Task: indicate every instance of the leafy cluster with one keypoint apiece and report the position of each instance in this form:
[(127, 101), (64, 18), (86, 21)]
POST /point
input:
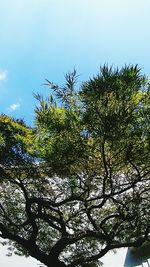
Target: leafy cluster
[(81, 177)]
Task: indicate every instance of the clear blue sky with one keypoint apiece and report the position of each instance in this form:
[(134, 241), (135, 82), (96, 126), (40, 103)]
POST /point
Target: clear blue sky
[(46, 38)]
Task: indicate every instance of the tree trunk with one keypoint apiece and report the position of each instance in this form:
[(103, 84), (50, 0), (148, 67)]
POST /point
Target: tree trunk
[(56, 264)]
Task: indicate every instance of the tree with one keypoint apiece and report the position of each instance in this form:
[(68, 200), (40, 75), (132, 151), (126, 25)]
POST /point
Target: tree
[(77, 184)]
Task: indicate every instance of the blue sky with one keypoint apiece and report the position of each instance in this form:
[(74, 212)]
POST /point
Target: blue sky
[(46, 38)]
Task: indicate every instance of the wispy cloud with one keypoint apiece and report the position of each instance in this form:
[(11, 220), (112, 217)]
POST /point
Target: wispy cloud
[(3, 75), (14, 106)]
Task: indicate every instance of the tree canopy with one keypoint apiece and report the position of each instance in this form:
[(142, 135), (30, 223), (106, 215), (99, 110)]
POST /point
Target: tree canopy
[(77, 184)]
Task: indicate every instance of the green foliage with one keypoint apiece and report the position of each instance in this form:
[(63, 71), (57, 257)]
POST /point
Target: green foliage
[(59, 140), (15, 141), (81, 177)]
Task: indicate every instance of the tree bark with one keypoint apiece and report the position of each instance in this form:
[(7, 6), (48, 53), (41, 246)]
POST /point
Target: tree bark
[(57, 264)]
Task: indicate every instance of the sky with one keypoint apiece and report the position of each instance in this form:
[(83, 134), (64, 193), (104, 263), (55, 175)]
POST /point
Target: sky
[(42, 39)]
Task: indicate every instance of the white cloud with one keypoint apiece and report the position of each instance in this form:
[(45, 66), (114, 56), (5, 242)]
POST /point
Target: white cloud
[(3, 75), (14, 106)]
